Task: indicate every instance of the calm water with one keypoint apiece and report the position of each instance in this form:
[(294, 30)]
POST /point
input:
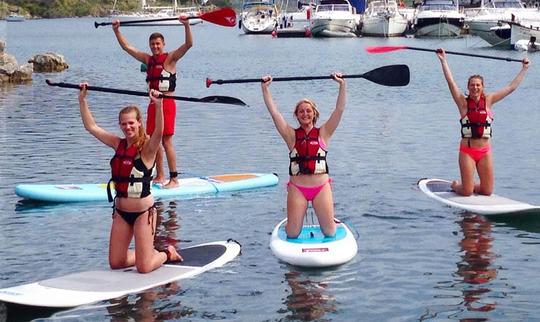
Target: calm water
[(418, 260)]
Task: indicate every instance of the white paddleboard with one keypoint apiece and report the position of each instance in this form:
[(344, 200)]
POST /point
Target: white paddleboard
[(440, 190), (92, 286), (312, 248), (188, 188)]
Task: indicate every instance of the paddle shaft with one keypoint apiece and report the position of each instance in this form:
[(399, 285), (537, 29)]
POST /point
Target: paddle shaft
[(464, 54), (207, 99), (278, 79), (121, 91), (127, 22)]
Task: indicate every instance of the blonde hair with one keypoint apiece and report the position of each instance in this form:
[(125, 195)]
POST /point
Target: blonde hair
[(141, 135), (313, 106)]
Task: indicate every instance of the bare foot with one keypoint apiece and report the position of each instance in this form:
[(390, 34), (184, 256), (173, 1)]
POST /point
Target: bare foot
[(174, 256), (173, 183), (454, 185), (158, 180)]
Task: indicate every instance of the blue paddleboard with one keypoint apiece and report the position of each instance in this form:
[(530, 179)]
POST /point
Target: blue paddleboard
[(189, 188)]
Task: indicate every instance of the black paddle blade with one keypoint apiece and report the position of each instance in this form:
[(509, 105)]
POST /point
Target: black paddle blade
[(223, 100), (391, 75)]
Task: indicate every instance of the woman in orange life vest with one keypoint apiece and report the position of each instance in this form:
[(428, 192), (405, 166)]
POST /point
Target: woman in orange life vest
[(476, 118), (134, 214), (309, 180), (161, 75)]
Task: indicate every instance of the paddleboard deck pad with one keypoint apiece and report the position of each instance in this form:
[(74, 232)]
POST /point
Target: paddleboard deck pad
[(188, 188), (99, 285), (441, 190), (312, 248)]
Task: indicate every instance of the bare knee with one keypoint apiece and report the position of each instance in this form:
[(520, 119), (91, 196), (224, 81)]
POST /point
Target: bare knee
[(116, 264), (144, 268), (292, 233)]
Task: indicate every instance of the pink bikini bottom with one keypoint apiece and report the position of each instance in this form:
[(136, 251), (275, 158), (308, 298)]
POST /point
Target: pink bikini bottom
[(309, 192), (476, 153)]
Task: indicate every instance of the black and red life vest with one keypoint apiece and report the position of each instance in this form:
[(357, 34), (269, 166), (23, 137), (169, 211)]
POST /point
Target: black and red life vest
[(157, 77), (130, 176), (307, 156), (476, 123)]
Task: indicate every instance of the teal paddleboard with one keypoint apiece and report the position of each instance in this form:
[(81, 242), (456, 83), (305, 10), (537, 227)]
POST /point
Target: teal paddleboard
[(189, 188)]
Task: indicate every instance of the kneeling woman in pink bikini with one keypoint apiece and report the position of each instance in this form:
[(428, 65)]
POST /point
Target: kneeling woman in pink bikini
[(309, 180), (476, 118)]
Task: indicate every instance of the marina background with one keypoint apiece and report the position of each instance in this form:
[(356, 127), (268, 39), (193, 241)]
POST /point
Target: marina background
[(418, 260)]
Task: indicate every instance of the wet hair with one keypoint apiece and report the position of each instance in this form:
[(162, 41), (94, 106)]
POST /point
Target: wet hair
[(156, 35), (141, 135), (476, 76), (313, 106)]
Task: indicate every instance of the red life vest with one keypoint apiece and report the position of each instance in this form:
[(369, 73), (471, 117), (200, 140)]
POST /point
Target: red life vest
[(307, 156), (156, 75), (130, 176), (477, 122)]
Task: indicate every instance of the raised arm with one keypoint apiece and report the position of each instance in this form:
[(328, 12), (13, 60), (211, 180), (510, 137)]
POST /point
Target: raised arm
[(505, 91), (285, 130), (457, 95), (178, 53), (328, 128), (148, 153), (89, 123), (134, 52)]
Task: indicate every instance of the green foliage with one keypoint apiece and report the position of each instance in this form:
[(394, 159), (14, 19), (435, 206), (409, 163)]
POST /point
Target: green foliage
[(78, 8)]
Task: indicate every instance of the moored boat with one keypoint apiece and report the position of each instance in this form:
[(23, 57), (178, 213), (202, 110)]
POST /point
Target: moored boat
[(480, 21), (259, 16), (438, 18), (335, 18), (382, 19)]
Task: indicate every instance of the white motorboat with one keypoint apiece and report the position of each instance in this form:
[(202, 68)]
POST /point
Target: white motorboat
[(530, 45), (438, 18), (15, 17), (335, 18), (481, 21), (259, 16), (382, 19), (523, 31)]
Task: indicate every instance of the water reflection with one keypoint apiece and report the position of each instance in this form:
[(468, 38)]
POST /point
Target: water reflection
[(309, 300), (148, 306), (477, 265)]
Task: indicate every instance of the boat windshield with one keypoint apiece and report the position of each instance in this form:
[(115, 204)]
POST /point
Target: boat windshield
[(439, 5), (503, 4), (333, 7)]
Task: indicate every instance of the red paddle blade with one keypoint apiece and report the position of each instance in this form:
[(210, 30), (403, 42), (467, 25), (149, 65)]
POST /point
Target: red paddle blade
[(223, 17), (383, 49)]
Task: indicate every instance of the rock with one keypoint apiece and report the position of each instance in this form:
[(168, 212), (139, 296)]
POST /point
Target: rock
[(11, 72), (48, 62)]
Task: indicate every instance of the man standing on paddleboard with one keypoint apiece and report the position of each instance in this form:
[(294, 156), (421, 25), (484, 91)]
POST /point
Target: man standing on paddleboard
[(161, 76)]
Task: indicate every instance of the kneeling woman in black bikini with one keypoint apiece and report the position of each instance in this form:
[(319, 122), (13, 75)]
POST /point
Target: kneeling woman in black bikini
[(132, 167)]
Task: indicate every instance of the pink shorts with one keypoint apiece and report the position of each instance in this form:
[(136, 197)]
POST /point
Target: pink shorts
[(169, 117), (309, 192), (475, 153)]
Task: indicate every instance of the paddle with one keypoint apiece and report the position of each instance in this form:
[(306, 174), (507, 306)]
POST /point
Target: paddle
[(391, 75), (385, 49), (207, 99), (223, 17)]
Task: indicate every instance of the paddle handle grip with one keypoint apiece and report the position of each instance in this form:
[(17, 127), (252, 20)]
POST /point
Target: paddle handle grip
[(466, 54)]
